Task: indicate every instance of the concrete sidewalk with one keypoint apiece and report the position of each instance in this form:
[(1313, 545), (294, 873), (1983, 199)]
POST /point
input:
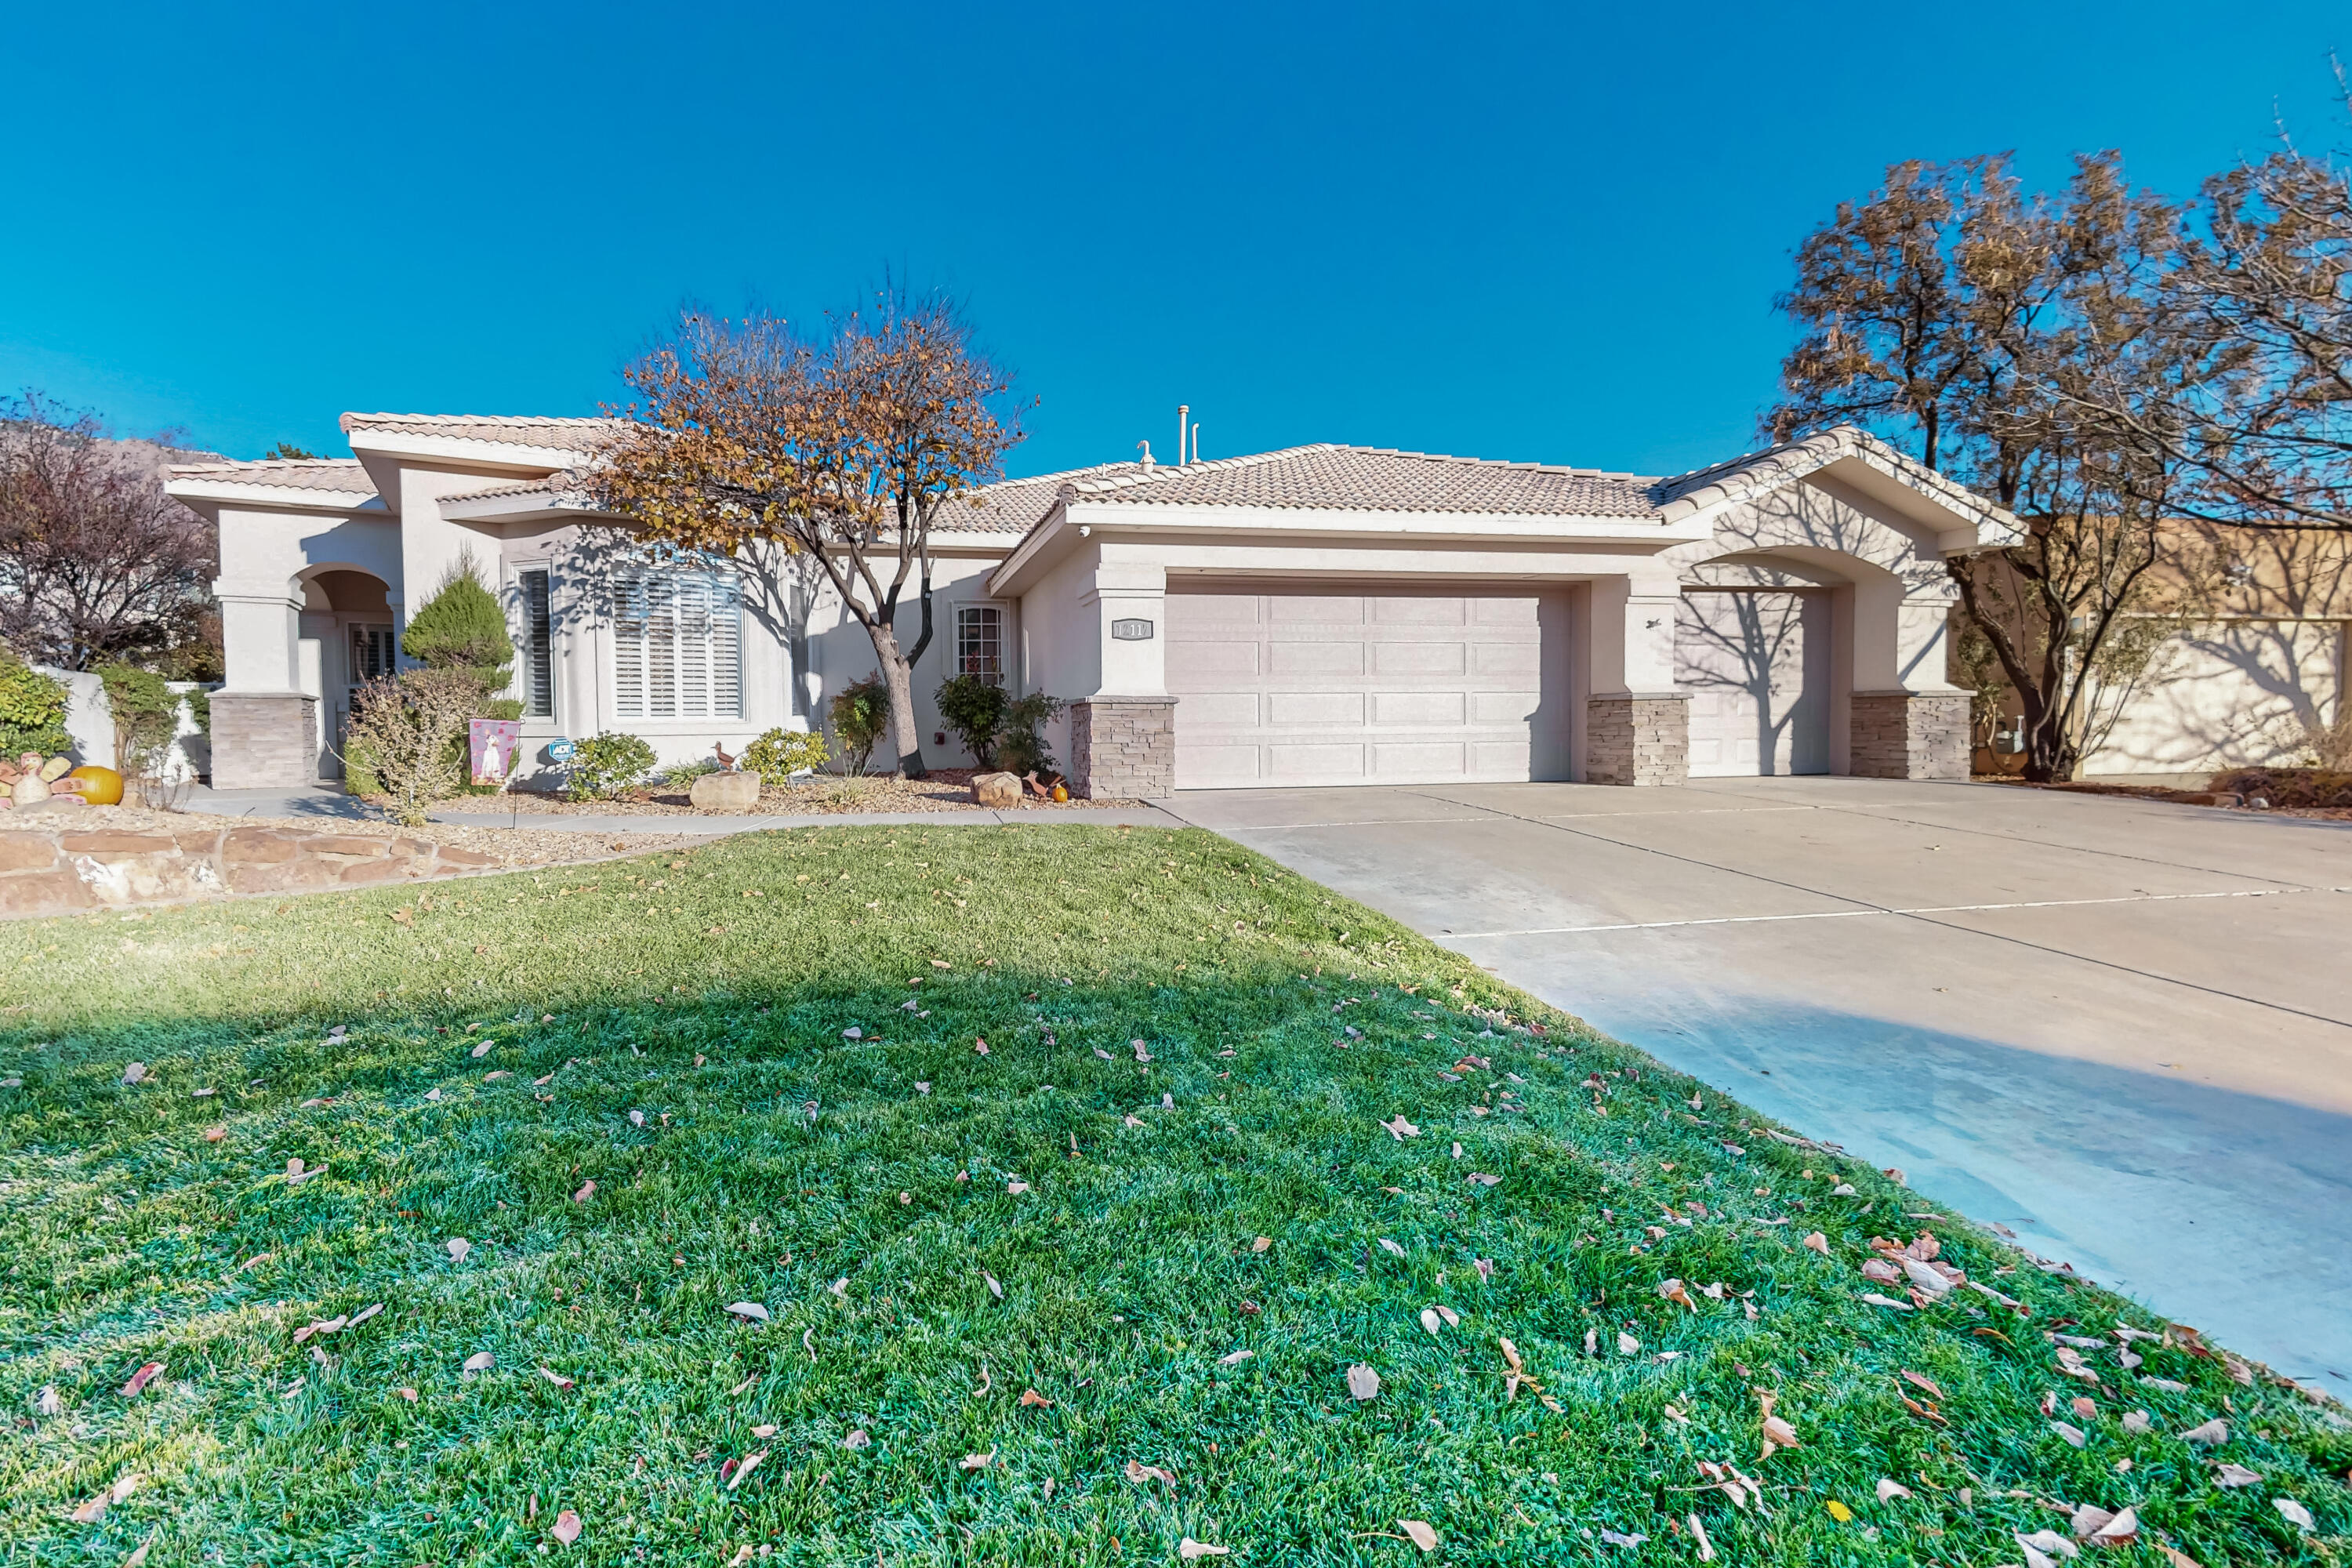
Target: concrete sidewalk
[(2122, 1028)]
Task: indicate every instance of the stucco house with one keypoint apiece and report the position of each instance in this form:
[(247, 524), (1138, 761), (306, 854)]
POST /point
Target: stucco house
[(1322, 615)]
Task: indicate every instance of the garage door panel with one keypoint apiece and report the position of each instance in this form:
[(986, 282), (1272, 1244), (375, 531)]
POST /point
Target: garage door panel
[(1418, 658), (1417, 708), (1316, 707), (1314, 659), (1296, 759), (1222, 709), (1418, 612), (1398, 688)]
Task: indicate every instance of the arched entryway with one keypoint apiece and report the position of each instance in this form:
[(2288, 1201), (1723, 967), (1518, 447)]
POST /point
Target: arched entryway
[(350, 635)]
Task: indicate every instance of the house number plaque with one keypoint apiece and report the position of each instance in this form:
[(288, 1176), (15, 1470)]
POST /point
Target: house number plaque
[(1130, 631)]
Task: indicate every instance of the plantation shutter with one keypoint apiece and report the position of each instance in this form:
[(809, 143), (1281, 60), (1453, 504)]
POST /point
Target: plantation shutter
[(677, 643)]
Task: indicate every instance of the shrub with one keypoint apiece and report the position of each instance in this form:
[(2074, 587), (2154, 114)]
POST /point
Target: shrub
[(1021, 741), (681, 776), (402, 724), (861, 717), (777, 755), (461, 626), (32, 709), (973, 707), (603, 765), (146, 713)]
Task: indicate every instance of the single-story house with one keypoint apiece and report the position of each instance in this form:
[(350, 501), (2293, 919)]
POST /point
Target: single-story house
[(1321, 614)]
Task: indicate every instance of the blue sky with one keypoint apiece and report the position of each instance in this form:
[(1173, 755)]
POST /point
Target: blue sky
[(1540, 232)]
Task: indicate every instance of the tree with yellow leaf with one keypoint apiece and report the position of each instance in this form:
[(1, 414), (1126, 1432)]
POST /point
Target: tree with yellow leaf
[(756, 442)]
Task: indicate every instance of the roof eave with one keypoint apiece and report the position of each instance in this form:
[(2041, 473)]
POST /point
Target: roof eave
[(500, 457), (278, 498)]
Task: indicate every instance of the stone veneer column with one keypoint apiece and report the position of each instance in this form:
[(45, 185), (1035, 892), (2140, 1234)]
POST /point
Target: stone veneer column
[(1908, 735), (1637, 738), (264, 740), (1123, 748)]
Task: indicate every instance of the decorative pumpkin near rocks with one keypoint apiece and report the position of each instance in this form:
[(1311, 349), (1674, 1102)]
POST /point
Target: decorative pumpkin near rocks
[(99, 786)]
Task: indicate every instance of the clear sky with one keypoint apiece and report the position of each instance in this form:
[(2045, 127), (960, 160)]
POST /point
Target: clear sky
[(1546, 232)]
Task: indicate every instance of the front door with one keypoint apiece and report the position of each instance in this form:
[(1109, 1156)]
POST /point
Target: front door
[(369, 656)]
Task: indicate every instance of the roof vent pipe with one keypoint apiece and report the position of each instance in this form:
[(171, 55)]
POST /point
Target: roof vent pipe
[(1147, 453), (1196, 442), (1183, 419)]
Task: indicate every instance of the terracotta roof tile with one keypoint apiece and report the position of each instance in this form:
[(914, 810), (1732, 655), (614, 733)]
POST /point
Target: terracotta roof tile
[(560, 435), (294, 474), (1375, 478)]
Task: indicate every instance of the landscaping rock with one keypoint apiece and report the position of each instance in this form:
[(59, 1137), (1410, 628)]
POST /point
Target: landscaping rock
[(726, 791), (996, 789)]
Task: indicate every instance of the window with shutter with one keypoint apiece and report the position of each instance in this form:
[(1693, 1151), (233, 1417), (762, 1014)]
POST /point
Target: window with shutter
[(677, 645), (537, 648)]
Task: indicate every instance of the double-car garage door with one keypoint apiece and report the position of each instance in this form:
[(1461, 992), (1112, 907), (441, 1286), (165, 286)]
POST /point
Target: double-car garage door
[(1324, 688), (1308, 688)]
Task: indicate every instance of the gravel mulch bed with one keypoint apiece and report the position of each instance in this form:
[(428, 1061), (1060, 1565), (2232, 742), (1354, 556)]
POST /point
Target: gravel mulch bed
[(947, 790), (511, 845)]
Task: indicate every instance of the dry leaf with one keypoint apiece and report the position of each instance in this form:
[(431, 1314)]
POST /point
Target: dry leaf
[(1888, 1490), (1141, 1473), (1016, 1186), (587, 1190), (47, 1403), (751, 1462), (1627, 1344), (1430, 1321), (1419, 1532), (749, 1310), (1363, 1383), (215, 1134), (555, 1377), (407, 1393), (1235, 1359), (994, 1288), (1780, 1434), (138, 1558), (2295, 1513), (1672, 1291), (1189, 1549), (1399, 1129), (2073, 1436), (1031, 1397), (481, 1361), (1261, 1243), (2210, 1435), (1391, 1248), (1819, 1243), (2120, 1531), (1918, 1380), (857, 1440), (978, 1461), (566, 1528), (2234, 1476), (141, 1378), (134, 1072), (1698, 1533), (459, 1246), (765, 1429), (2087, 1521), (1875, 1300)]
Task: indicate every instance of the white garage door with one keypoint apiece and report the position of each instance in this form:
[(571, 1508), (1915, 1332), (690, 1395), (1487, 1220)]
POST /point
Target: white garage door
[(1757, 665), (1341, 689)]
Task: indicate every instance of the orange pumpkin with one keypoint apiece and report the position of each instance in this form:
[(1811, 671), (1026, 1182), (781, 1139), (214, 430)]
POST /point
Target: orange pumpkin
[(1062, 792), (99, 786)]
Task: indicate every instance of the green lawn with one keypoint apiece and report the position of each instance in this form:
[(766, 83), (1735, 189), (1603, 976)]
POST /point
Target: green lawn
[(646, 1090)]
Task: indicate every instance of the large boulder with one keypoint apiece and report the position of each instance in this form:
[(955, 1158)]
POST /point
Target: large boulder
[(996, 789), (726, 791)]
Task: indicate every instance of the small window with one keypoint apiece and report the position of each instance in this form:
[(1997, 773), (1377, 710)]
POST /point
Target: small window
[(979, 641), (537, 668), (677, 645)]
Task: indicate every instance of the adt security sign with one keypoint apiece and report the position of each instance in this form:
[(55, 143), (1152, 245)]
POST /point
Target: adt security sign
[(560, 751)]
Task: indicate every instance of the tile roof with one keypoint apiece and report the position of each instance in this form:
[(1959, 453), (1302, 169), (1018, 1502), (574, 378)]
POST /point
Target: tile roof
[(563, 482), (1013, 506), (560, 435), (1376, 479), (279, 473)]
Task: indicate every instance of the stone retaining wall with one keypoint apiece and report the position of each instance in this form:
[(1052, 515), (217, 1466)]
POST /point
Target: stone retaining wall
[(61, 870), (1123, 748)]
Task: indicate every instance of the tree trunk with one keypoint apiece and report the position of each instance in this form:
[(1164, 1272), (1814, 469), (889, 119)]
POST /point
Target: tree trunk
[(898, 679)]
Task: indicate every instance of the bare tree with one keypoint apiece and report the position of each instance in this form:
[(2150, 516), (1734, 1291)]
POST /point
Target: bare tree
[(756, 442), (1958, 319), (95, 562)]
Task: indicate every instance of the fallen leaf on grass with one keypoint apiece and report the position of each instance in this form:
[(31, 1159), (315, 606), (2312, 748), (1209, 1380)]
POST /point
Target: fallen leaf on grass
[(138, 1558), (1363, 1383), (587, 1190), (407, 1393), (765, 1429), (857, 1440), (215, 1134), (751, 1462), (141, 1378), (1818, 1243), (1875, 1300), (1189, 1549), (977, 1461), (2295, 1513), (1139, 1473), (2073, 1436), (555, 1377), (134, 1072), (1399, 1129), (459, 1246), (2210, 1435), (478, 1052), (2234, 1476), (1235, 1359), (46, 1401), (1016, 1187), (994, 1288), (1888, 1490), (1261, 1243), (1390, 1247), (1837, 1511), (566, 1528), (1031, 1397), (1627, 1344), (481, 1361), (1419, 1532), (750, 1312)]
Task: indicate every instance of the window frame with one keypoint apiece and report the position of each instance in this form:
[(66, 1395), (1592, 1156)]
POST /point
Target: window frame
[(1002, 640), (537, 643), (678, 672)]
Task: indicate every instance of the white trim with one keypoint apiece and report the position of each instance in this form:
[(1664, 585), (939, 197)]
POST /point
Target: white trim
[(516, 457), (287, 498)]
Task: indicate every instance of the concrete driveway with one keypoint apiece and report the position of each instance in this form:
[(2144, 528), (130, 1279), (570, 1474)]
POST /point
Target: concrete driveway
[(2122, 1029)]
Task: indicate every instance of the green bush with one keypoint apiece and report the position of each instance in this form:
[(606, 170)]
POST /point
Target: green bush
[(146, 713), (1021, 741), (461, 626), (681, 776), (32, 709), (861, 717), (777, 755), (200, 708), (973, 707), (603, 765)]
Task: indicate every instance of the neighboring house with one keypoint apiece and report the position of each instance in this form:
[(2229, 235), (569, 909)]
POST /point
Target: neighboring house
[(1323, 614)]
